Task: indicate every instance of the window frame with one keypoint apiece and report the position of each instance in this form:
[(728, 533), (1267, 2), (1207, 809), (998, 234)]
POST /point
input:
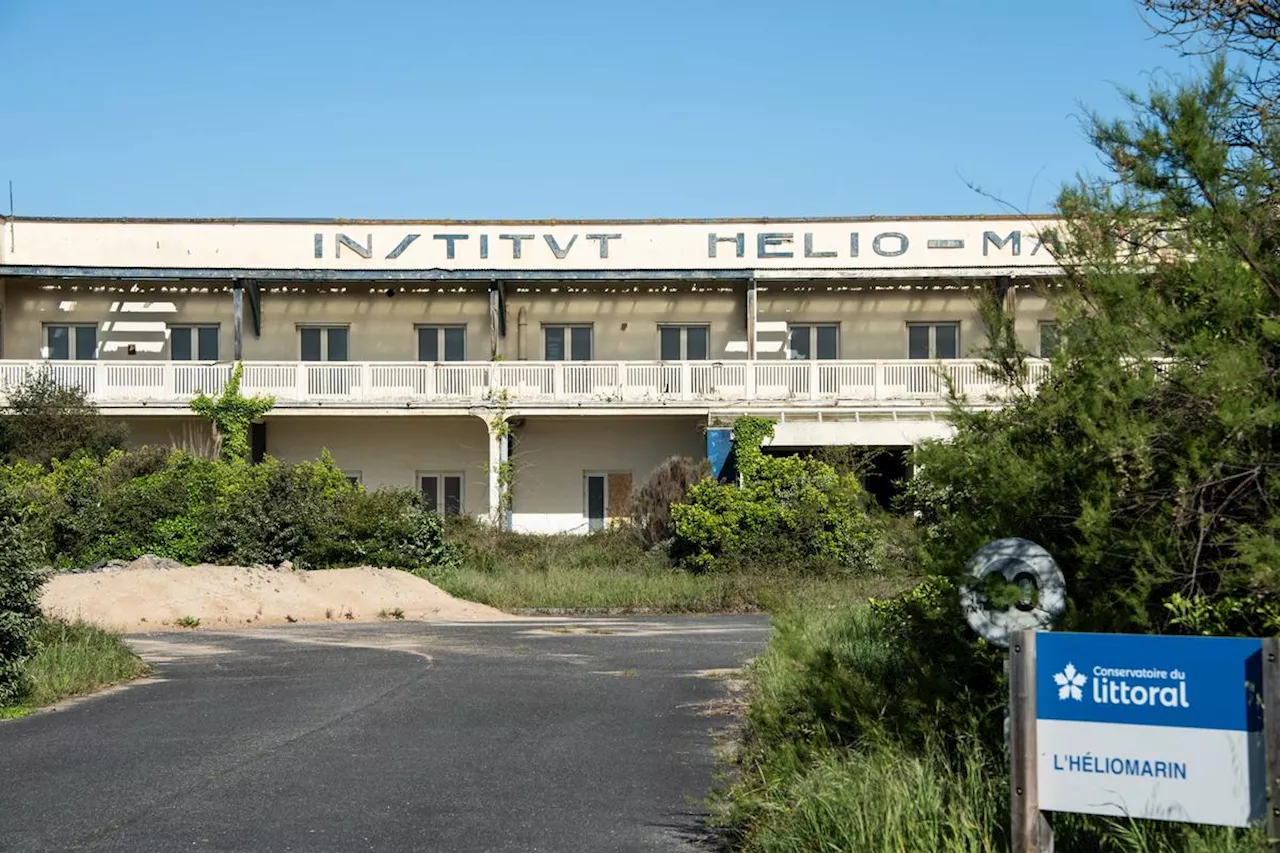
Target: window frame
[(195, 328), (684, 340), (1041, 327), (73, 336), (813, 327), (441, 347), (604, 475), (570, 354), (324, 342), (442, 508), (355, 478), (932, 326)]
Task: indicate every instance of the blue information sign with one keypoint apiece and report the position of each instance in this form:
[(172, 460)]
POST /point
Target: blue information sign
[(1145, 726)]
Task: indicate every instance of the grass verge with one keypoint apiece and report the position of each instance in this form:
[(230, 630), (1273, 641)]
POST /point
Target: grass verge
[(74, 658), (829, 763), (608, 572)]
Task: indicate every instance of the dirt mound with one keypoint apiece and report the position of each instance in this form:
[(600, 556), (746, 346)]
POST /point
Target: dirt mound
[(146, 596)]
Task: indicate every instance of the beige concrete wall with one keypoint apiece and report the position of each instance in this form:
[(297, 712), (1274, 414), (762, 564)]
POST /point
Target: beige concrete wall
[(189, 433), (382, 327), (552, 455), (1034, 306), (624, 318), (873, 323), (391, 451)]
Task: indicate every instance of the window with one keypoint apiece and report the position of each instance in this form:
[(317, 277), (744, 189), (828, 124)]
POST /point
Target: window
[(71, 342), (1048, 339), (324, 343), (813, 342), (193, 343), (442, 492), (933, 340), (568, 343), (442, 343), (353, 477), (606, 496), (683, 343)]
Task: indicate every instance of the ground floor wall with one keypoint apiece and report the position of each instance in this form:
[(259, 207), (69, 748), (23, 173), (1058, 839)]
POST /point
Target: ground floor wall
[(553, 457), (189, 433), (392, 451), (568, 473)]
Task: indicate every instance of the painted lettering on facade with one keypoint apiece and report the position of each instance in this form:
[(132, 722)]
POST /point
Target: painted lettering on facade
[(759, 246)]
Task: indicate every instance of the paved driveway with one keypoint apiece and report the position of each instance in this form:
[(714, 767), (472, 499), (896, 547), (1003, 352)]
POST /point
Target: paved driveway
[(395, 737)]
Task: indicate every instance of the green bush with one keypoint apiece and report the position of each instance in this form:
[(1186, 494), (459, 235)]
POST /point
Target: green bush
[(20, 618), (193, 509), (43, 421), (788, 513)]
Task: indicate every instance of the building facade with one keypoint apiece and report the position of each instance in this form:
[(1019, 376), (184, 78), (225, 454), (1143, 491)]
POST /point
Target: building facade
[(530, 372)]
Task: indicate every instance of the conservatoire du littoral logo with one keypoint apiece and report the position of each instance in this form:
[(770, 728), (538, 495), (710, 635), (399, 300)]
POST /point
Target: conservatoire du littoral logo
[(1069, 682)]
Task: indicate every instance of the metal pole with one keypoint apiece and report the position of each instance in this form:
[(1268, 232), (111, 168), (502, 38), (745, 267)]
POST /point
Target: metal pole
[(237, 319), (1271, 733), (1029, 831)]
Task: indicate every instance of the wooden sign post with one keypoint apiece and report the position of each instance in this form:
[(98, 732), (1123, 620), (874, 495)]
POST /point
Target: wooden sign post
[(1030, 831)]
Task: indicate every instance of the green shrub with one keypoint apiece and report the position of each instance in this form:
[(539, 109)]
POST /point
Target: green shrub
[(275, 511), (43, 421), (788, 513), (390, 527), (194, 509), (20, 618)]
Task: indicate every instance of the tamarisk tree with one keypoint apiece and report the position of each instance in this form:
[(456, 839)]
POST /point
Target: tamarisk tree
[(1147, 463)]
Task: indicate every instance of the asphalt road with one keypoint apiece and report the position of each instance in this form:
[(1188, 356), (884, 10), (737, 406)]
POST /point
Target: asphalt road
[(395, 737)]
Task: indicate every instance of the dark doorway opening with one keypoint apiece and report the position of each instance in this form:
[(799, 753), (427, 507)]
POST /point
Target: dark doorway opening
[(883, 470)]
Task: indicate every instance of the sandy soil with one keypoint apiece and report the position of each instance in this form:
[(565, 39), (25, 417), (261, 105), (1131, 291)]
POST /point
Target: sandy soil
[(144, 597)]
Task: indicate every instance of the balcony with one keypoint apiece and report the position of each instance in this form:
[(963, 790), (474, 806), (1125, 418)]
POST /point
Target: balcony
[(529, 384)]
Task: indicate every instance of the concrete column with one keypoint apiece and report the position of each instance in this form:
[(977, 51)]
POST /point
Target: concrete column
[(237, 321), (499, 429), (752, 313), (1010, 290), (494, 308)]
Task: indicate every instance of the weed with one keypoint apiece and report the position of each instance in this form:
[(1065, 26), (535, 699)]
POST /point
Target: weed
[(839, 756), (188, 622), (609, 572), (74, 658)]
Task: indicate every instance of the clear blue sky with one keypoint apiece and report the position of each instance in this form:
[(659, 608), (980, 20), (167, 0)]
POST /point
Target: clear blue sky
[(422, 109)]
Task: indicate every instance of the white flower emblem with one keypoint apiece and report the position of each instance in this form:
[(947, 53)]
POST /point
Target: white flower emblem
[(1069, 682)]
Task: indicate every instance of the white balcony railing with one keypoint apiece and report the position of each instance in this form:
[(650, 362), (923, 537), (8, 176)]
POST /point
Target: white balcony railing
[(527, 382)]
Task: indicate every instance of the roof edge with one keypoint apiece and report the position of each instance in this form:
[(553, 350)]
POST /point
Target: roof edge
[(144, 220)]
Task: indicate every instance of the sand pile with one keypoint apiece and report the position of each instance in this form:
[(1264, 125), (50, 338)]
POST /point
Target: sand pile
[(151, 594)]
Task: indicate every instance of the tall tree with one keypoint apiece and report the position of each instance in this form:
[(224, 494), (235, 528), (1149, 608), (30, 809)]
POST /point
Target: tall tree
[(1148, 463)]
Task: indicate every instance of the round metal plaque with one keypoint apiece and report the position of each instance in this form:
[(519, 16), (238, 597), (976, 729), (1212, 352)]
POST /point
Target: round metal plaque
[(1025, 564)]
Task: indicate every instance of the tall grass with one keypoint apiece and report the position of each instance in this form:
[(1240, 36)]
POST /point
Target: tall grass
[(842, 754), (876, 800), (609, 571), (75, 658)]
